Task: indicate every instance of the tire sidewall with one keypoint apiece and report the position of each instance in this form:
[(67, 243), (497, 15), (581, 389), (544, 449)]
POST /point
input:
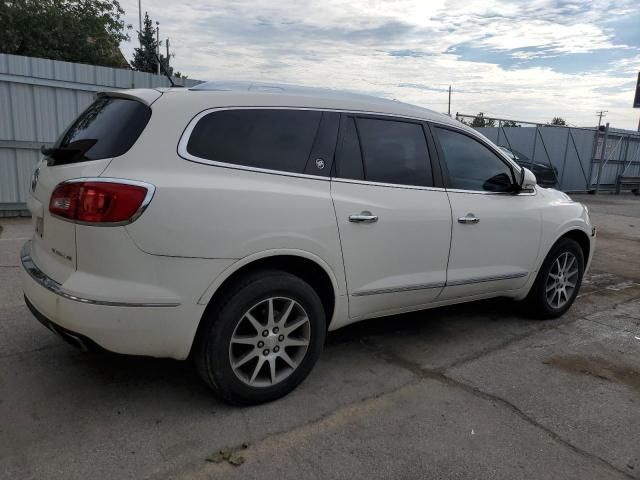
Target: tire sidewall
[(264, 286), (562, 246)]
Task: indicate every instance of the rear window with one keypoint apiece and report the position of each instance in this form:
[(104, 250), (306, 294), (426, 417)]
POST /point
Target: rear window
[(271, 139), (108, 128)]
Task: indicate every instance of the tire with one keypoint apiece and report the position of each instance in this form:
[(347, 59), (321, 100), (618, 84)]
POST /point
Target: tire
[(219, 361), (545, 300)]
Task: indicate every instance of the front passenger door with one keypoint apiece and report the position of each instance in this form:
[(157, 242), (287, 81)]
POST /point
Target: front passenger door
[(495, 231)]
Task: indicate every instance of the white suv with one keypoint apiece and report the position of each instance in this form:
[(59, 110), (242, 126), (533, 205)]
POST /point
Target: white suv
[(236, 223)]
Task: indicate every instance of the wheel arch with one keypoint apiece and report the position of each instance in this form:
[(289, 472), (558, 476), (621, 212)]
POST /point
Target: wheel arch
[(574, 232), (305, 265), (581, 238)]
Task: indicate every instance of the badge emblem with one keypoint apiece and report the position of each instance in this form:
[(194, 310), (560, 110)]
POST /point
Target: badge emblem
[(319, 163)]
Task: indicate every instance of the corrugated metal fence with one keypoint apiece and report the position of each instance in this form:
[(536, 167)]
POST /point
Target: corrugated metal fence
[(621, 157), (573, 153), (38, 100), (567, 150)]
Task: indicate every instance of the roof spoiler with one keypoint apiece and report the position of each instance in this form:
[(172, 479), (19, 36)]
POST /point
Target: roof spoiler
[(144, 95)]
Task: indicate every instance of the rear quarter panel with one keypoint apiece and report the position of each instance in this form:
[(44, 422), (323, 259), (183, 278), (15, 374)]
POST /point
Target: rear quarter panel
[(206, 211)]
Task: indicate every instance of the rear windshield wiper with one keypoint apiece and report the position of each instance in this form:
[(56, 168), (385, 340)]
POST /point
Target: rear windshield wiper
[(70, 153)]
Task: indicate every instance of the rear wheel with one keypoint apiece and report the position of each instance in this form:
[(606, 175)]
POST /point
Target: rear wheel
[(262, 338), (558, 281)]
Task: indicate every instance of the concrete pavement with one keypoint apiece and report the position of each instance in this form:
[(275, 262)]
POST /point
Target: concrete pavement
[(473, 391)]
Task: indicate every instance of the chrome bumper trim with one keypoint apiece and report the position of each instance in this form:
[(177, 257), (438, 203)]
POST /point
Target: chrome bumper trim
[(50, 284)]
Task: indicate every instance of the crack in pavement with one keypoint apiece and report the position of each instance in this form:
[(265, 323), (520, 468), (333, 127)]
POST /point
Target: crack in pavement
[(327, 416), (439, 374), (419, 374), (27, 352), (505, 343), (617, 329)]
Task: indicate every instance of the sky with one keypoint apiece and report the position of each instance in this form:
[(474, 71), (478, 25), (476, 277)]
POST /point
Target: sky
[(522, 60)]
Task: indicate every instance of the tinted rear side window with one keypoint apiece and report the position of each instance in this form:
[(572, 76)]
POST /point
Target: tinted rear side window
[(271, 139), (348, 158), (108, 128), (394, 152)]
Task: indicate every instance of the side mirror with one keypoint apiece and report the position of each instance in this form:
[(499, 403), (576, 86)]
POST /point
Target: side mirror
[(499, 183), (527, 179)]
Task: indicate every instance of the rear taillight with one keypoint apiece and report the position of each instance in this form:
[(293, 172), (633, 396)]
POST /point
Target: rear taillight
[(99, 202)]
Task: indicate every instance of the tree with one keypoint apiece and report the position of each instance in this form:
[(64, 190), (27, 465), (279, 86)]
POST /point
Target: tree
[(480, 121), (84, 31), (144, 57), (558, 121), (509, 123)]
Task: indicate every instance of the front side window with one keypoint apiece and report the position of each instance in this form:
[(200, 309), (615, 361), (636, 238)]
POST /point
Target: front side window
[(471, 165), (262, 138)]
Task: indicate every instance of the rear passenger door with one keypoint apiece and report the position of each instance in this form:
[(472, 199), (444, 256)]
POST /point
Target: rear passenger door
[(394, 218)]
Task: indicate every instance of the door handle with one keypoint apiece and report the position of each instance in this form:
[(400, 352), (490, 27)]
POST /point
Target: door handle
[(469, 219), (363, 217)]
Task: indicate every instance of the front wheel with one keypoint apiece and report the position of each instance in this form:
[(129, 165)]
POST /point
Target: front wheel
[(262, 338), (558, 281)]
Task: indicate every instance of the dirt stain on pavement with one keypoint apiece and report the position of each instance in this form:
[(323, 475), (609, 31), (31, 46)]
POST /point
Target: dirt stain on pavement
[(598, 367)]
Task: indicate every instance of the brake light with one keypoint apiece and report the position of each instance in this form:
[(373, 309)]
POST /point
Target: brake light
[(98, 202)]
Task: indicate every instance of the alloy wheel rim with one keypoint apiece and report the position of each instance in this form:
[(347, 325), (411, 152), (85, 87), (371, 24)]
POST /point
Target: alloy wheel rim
[(562, 280), (269, 342)]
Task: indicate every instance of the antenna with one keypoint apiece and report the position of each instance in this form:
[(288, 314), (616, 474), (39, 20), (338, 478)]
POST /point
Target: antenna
[(166, 74)]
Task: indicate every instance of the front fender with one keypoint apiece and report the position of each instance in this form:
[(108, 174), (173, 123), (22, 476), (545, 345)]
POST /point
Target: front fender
[(560, 216)]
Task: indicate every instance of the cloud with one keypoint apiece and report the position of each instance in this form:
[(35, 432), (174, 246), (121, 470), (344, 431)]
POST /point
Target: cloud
[(526, 60), (628, 65)]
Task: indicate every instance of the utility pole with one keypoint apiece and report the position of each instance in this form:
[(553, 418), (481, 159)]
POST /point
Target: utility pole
[(158, 44), (167, 41), (602, 154), (449, 108), (600, 114), (139, 18)]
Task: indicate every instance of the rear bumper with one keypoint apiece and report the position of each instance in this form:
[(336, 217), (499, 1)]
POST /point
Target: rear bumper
[(73, 338), (151, 329)]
